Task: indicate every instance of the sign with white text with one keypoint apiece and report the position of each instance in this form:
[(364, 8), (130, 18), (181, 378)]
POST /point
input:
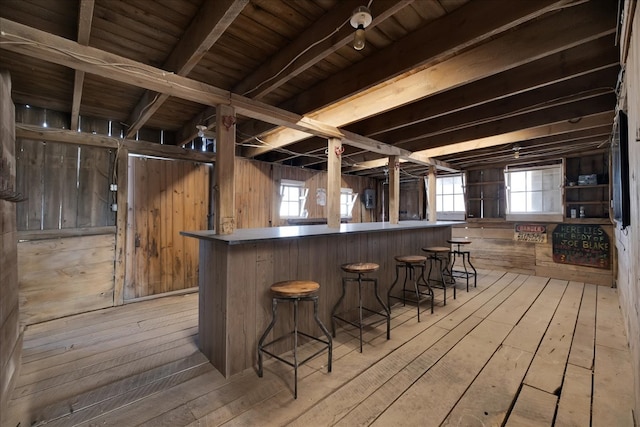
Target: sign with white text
[(532, 233), (581, 245)]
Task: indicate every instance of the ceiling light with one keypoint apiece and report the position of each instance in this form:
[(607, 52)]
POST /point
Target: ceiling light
[(201, 129), (516, 151), (360, 19)]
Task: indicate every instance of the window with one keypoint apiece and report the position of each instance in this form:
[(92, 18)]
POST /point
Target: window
[(347, 200), (534, 191), (293, 199), (450, 193), (449, 196)]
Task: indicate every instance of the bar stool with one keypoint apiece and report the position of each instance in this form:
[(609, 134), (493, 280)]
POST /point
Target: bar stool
[(411, 263), (294, 291), (440, 255), (466, 258), (360, 268)]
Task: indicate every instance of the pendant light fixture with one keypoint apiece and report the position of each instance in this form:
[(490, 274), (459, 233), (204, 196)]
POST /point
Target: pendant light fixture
[(360, 19)]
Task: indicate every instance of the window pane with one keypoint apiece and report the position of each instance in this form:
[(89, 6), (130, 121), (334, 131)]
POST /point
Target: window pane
[(518, 202), (458, 202), (518, 181), (535, 202)]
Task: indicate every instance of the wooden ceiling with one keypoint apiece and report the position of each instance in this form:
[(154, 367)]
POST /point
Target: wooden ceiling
[(458, 83)]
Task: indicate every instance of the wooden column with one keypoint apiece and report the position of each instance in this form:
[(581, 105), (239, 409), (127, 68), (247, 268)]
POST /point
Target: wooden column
[(10, 330), (394, 189), (432, 194), (225, 157), (334, 164)]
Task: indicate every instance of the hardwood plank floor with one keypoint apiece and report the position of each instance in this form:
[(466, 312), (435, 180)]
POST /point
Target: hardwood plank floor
[(516, 350)]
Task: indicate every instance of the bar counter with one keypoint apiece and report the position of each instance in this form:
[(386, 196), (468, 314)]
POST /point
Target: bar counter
[(236, 271)]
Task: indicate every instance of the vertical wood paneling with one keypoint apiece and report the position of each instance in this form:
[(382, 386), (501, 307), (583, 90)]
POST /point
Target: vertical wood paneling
[(628, 240), (257, 190), (166, 197), (30, 182), (94, 196), (177, 197), (10, 331), (66, 186), (60, 186)]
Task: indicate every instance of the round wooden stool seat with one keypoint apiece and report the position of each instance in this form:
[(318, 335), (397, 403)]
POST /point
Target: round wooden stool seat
[(436, 249), (411, 259), (360, 267), (295, 288), (459, 241)]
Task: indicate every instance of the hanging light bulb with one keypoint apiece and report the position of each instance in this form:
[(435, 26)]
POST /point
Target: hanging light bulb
[(359, 39), (201, 129), (516, 151), (360, 19)]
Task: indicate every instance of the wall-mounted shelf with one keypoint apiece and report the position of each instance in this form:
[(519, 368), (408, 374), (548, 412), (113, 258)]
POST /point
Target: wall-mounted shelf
[(593, 198)]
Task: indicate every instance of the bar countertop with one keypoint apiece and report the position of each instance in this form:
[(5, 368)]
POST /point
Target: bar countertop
[(251, 235)]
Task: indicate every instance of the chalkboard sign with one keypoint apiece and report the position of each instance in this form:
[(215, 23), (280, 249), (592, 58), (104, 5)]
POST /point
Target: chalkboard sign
[(581, 245)]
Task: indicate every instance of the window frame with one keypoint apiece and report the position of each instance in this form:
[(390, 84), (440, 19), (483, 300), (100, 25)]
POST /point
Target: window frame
[(549, 216), (456, 214), (348, 203), (301, 198)]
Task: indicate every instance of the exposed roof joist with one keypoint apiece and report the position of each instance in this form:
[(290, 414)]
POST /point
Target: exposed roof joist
[(32, 42)]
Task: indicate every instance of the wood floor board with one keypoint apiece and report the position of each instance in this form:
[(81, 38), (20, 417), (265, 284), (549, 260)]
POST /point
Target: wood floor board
[(584, 336), (533, 408), (488, 400), (121, 315), (469, 363), (574, 407), (99, 335), (122, 341), (548, 366)]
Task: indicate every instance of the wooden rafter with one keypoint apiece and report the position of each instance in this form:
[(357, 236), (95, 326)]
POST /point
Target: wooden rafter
[(84, 31), (32, 42), (561, 30), (210, 23)]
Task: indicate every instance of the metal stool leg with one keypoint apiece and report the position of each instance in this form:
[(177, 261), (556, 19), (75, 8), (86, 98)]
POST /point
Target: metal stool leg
[(325, 331), (274, 310), (386, 309)]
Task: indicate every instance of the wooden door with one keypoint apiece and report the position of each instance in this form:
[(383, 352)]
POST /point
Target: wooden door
[(165, 197)]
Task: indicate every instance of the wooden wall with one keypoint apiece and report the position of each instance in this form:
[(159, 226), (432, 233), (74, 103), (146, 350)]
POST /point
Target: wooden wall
[(10, 331), (65, 275), (165, 197), (257, 189), (493, 246), (67, 185), (628, 240)]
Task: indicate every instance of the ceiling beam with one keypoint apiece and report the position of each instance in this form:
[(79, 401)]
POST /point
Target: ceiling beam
[(85, 18), (294, 59), (39, 44), (136, 147), (533, 106), (579, 66), (328, 34), (519, 136), (525, 134), (209, 24), (559, 31), (572, 111)]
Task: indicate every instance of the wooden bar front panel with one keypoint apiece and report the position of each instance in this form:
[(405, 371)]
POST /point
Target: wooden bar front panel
[(235, 302)]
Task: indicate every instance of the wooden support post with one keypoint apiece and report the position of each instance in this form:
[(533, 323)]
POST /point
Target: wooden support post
[(394, 189), (334, 164), (122, 197), (225, 158), (432, 194)]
